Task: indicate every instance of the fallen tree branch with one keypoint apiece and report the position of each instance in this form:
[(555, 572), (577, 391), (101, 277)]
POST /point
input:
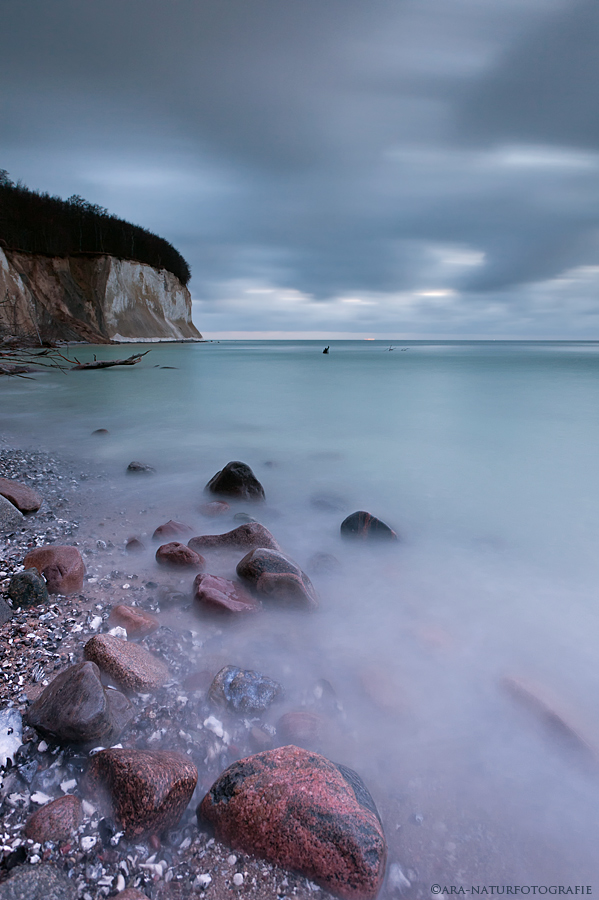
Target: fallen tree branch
[(107, 363)]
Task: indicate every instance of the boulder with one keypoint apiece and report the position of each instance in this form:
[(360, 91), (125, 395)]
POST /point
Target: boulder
[(214, 508), (10, 517), (41, 882), (101, 432), (139, 468), (275, 577), (179, 556), (215, 594), (136, 622), (243, 691), (301, 811), (362, 525), (246, 537), (76, 707), (236, 480), (171, 529), (134, 545), (62, 567), (131, 667), (20, 495), (27, 588), (146, 791), (55, 821)]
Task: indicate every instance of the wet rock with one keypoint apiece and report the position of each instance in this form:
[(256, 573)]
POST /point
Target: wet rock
[(148, 791), (214, 594), (76, 707), (101, 432), (242, 690), (301, 727), (41, 882), (243, 517), (131, 667), (137, 622), (55, 821), (28, 588), (5, 611), (323, 564), (362, 525), (139, 468), (10, 517), (11, 734), (169, 596), (215, 508), (236, 480), (246, 537), (20, 495), (275, 577), (171, 529), (176, 554), (134, 545), (301, 811), (62, 567)]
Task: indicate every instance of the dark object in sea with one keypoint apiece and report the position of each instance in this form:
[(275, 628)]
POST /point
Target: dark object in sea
[(236, 480), (362, 525), (139, 468), (326, 350), (101, 432)]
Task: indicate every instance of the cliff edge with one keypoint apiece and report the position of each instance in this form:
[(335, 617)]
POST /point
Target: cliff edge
[(91, 297)]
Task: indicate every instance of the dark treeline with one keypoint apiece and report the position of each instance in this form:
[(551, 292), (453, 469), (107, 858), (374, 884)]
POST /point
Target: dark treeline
[(39, 223)]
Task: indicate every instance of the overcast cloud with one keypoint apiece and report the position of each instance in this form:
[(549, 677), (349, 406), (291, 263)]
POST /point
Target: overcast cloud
[(381, 167)]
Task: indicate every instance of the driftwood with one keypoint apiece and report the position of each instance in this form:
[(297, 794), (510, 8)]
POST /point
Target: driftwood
[(107, 363)]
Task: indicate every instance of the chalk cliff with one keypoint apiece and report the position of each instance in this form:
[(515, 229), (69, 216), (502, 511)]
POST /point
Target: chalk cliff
[(96, 298)]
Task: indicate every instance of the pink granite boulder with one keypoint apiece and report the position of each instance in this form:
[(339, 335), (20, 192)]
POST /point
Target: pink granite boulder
[(179, 556), (214, 508), (246, 537), (301, 811), (276, 578), (62, 567), (55, 821), (20, 495), (130, 666), (171, 529), (218, 595), (136, 622)]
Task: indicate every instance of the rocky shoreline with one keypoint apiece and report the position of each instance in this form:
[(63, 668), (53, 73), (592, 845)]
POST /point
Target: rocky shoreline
[(211, 719)]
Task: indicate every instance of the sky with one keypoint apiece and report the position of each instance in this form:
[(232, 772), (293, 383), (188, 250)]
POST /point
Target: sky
[(329, 168)]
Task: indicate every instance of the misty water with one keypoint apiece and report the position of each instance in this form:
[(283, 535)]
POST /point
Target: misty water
[(484, 458)]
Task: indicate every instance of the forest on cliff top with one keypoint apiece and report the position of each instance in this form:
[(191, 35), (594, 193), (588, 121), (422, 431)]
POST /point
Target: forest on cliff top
[(35, 222)]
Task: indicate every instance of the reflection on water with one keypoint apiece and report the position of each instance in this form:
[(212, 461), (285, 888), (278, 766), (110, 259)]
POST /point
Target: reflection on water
[(483, 457)]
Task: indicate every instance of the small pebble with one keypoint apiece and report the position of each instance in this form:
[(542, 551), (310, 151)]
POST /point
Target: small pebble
[(238, 879)]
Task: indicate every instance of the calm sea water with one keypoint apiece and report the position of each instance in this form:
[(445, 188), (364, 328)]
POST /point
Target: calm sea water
[(484, 457)]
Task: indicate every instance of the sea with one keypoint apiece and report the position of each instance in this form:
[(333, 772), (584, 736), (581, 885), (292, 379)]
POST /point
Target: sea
[(462, 661)]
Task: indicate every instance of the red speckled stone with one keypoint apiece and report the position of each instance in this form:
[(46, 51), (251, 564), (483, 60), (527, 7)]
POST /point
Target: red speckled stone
[(171, 529), (276, 578), (62, 567), (132, 667), (137, 622), (20, 495), (301, 811), (215, 594), (246, 537), (55, 821), (147, 790), (180, 556)]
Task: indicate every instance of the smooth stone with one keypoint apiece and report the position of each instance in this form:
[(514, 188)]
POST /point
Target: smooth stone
[(274, 576), (243, 691), (10, 517), (41, 882), (134, 545), (171, 529), (101, 431), (301, 727), (132, 667), (243, 517), (362, 525), (148, 790), (214, 508), (246, 537), (301, 811), (76, 707), (20, 495), (139, 468), (28, 588), (236, 480), (55, 821), (5, 611), (11, 734), (215, 594), (137, 622), (176, 554), (62, 567)]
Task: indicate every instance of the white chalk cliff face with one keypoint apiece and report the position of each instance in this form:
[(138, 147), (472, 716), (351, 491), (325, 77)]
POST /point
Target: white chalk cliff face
[(91, 298)]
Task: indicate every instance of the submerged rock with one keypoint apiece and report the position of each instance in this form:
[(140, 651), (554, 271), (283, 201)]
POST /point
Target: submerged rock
[(20, 495), (139, 468), (11, 734), (28, 588), (147, 791), (10, 517), (249, 536), (362, 525), (301, 727), (136, 622), (214, 508), (77, 707), (55, 821), (62, 567), (236, 480), (171, 529), (218, 595), (301, 811), (243, 691), (132, 667), (42, 882), (134, 545), (274, 576), (179, 556)]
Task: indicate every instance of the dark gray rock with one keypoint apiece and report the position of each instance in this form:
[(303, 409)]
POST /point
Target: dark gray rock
[(275, 577), (10, 517), (42, 882), (139, 468), (5, 611), (366, 527), (76, 707), (28, 588), (243, 691), (236, 480)]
